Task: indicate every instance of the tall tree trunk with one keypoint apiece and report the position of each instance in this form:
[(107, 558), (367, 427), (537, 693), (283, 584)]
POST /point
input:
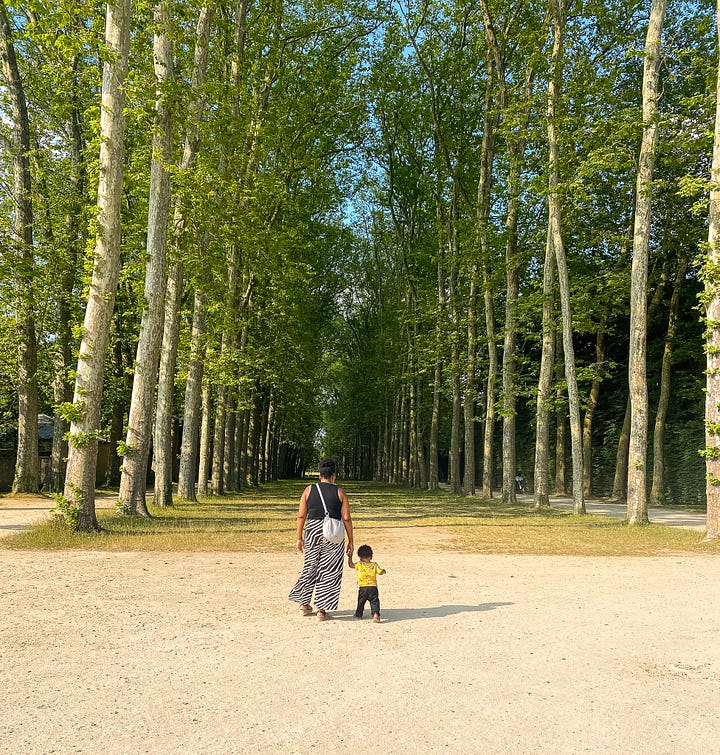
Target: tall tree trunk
[(254, 436), (637, 456), (85, 424), (62, 384), (217, 482), (561, 413), (454, 471), (193, 396), (482, 213), (541, 474), (711, 299), (590, 410), (621, 457), (26, 464), (204, 464), (516, 148), (142, 403), (422, 481), (230, 470), (163, 452), (244, 455), (434, 451), (559, 16), (490, 390), (470, 396), (657, 492)]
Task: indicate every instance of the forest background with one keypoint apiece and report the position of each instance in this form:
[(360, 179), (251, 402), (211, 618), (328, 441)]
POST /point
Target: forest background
[(436, 240)]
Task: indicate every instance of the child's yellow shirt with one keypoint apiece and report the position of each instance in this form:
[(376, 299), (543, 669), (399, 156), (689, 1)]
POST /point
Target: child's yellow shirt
[(367, 573)]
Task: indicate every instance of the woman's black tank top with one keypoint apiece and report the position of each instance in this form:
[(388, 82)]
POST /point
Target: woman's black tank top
[(332, 501)]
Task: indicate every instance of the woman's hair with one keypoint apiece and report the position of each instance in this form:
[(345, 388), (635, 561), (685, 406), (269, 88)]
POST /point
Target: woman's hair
[(326, 468), (364, 551)]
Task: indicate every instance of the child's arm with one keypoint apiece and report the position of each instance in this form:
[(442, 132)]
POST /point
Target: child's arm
[(380, 571), (351, 563)]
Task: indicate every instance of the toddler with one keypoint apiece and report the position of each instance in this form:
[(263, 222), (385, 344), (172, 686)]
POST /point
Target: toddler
[(367, 571)]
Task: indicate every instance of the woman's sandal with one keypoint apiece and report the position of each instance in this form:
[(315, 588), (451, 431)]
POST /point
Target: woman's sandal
[(306, 610), (322, 615)]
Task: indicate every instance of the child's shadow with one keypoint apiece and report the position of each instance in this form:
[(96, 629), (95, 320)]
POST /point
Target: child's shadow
[(431, 612)]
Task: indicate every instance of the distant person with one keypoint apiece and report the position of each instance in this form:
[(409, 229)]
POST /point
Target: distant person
[(367, 571), (519, 482), (323, 561)]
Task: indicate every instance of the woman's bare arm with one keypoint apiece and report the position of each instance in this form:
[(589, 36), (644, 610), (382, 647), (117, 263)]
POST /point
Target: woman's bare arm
[(301, 517), (347, 519)]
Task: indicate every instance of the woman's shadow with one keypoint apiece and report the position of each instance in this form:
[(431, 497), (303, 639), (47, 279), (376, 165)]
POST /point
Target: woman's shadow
[(429, 612)]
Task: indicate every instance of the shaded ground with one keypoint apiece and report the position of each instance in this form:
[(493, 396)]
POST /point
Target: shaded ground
[(202, 653)]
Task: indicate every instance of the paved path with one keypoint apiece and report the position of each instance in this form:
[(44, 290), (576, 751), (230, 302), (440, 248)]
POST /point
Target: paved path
[(658, 515), (20, 512), (671, 517)]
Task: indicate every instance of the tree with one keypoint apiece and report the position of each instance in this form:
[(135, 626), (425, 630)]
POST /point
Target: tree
[(26, 466), (711, 297), (637, 459), (84, 413), (137, 444)]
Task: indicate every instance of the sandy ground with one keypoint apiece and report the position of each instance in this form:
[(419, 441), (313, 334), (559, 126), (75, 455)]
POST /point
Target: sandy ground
[(202, 653)]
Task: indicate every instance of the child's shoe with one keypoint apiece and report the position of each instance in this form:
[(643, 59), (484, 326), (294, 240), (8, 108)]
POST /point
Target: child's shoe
[(376, 618)]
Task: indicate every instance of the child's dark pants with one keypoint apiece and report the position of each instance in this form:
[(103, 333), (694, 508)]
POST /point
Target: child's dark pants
[(368, 594)]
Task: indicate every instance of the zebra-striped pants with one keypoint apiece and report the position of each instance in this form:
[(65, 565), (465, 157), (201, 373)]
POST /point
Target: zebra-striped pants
[(322, 570)]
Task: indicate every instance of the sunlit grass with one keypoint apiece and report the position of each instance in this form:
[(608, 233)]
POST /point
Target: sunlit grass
[(264, 520)]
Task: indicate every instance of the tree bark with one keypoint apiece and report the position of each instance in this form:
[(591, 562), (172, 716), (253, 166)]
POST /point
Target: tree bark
[(657, 491), (163, 451), (454, 471), (621, 458), (516, 148), (26, 463), (85, 425), (490, 395), (131, 497), (560, 483), (590, 410), (711, 298), (62, 384), (204, 465), (637, 380), (541, 474), (559, 16), (193, 396), (482, 213), (434, 451)]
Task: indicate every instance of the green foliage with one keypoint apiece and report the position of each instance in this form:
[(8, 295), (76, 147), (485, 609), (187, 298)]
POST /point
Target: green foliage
[(339, 158), (65, 511)]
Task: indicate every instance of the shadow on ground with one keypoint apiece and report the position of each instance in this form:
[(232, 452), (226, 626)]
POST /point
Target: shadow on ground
[(395, 615)]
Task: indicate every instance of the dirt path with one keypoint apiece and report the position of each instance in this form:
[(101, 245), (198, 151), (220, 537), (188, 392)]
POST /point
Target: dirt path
[(202, 653)]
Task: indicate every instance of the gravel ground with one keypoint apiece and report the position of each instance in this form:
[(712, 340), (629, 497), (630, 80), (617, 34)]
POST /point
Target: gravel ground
[(202, 653)]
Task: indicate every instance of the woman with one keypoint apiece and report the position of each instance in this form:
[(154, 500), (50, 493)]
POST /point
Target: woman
[(324, 561)]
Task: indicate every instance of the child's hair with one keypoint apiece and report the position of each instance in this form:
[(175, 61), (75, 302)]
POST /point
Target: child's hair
[(364, 551)]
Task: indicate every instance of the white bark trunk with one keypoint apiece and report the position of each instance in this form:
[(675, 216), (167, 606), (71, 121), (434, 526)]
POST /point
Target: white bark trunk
[(541, 475), (193, 395), (712, 305), (26, 465), (637, 456), (85, 425), (555, 222), (137, 444), (168, 353)]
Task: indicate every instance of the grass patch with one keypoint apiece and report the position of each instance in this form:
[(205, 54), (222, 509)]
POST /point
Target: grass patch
[(264, 520)]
